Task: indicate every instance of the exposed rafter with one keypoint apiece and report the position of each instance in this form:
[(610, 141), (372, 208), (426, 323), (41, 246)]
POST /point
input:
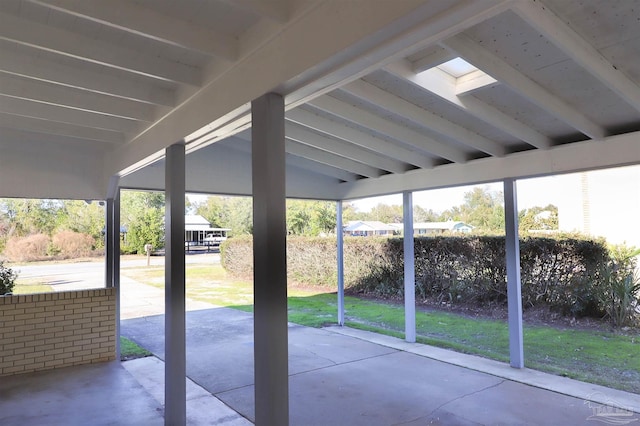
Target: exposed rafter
[(389, 128), (438, 56), (276, 10), (577, 48), (345, 149), (324, 157), (443, 85), (74, 45), (63, 96), (349, 134), (474, 81), (59, 129), (242, 143), (66, 115), (397, 105), (473, 53), (76, 77), (128, 16)]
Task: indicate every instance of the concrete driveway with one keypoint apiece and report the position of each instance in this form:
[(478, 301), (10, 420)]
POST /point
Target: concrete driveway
[(340, 379)]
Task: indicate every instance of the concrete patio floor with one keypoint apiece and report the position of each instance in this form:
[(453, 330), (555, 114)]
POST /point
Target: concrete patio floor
[(338, 376)]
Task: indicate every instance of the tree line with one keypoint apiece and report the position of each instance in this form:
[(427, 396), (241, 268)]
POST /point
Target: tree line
[(142, 216)]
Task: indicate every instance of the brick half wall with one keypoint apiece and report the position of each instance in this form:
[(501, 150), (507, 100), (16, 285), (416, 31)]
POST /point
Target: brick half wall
[(53, 330)]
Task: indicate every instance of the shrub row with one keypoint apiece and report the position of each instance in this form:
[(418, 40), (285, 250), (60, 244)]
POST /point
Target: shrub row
[(564, 274), (63, 245)]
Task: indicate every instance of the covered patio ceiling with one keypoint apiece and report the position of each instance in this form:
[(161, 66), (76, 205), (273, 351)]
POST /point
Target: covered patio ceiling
[(92, 92)]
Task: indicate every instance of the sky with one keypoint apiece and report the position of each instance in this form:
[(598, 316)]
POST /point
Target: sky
[(531, 192)]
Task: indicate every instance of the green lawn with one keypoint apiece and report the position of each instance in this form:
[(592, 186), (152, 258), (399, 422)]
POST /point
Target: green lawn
[(30, 286), (604, 358), (131, 350)]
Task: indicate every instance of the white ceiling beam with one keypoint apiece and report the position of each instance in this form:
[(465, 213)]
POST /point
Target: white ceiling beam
[(490, 63), (613, 151), (60, 129), (320, 156), (275, 10), (242, 142), (397, 105), (43, 111), (476, 80), (387, 31), (443, 85), (345, 149), (63, 96), (438, 56), (427, 30), (389, 128), (555, 29), (145, 22), (19, 135), (354, 136), (67, 43), (321, 169), (66, 75)]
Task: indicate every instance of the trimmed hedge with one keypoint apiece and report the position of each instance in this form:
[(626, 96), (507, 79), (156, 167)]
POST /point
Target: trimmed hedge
[(562, 273)]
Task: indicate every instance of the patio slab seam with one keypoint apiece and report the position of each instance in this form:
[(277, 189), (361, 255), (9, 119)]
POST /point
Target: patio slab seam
[(588, 392)]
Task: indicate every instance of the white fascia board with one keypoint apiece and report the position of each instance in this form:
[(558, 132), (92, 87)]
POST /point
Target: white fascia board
[(613, 151)]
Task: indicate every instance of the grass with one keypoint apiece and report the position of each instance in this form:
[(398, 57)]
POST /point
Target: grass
[(605, 358), (130, 350), (31, 286)]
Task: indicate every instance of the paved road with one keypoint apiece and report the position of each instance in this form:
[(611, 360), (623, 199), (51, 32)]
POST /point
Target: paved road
[(86, 275)]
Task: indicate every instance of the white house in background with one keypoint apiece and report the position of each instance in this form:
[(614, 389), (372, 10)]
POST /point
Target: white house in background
[(369, 228), (600, 203), (197, 229), (434, 228)]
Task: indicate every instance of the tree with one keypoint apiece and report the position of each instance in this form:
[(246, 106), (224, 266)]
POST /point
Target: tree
[(538, 218), (483, 209), (142, 214), (422, 215), (386, 213)]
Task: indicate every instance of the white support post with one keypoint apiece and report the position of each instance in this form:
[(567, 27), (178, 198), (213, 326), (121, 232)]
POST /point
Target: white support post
[(175, 346), (340, 258), (269, 262), (514, 290), (108, 242), (115, 265), (409, 268)]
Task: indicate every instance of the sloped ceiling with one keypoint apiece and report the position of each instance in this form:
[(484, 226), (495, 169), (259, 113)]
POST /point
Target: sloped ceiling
[(92, 92)]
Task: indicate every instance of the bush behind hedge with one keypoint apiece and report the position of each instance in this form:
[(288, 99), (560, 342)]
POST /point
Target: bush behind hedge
[(562, 273)]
